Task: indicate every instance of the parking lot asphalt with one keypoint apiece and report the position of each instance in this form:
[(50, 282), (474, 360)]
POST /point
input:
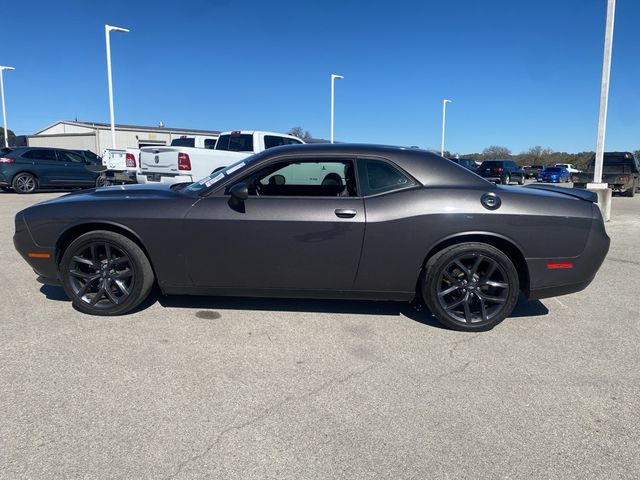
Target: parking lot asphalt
[(288, 389)]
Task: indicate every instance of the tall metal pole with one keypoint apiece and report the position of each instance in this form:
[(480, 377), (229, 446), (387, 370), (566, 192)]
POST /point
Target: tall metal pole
[(4, 112), (604, 91), (333, 80), (107, 30), (444, 122)]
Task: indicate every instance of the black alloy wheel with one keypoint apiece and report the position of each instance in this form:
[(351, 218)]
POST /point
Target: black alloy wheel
[(105, 273), (470, 286), (24, 183)]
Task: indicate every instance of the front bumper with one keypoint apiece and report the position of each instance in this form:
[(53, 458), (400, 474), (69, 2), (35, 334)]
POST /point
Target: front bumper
[(41, 259), (545, 282)]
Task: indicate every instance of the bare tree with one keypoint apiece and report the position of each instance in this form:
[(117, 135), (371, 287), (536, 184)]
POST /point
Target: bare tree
[(300, 133), (496, 152)]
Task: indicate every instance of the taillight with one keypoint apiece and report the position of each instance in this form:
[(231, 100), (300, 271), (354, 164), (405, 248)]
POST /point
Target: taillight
[(131, 160), (6, 160), (184, 162), (499, 169)]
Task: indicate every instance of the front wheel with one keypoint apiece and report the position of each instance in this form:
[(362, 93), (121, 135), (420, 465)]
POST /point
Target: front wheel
[(104, 273), (102, 181), (470, 286), (521, 181)]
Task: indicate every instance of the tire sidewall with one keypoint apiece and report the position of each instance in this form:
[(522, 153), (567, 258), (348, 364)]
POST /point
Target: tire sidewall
[(433, 271), (139, 263)]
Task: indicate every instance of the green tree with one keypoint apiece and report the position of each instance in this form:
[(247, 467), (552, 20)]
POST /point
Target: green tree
[(11, 136)]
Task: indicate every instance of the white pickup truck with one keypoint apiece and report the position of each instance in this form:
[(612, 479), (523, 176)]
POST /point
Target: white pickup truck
[(122, 166), (176, 164)]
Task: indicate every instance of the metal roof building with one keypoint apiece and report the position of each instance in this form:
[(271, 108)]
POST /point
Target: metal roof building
[(96, 136)]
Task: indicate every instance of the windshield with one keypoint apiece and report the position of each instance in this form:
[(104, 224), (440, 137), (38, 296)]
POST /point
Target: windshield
[(217, 176)]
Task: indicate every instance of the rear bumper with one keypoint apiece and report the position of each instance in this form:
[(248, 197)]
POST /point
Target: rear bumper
[(118, 176), (164, 179), (546, 282)]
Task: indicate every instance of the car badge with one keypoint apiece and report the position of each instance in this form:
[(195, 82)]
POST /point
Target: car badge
[(157, 159)]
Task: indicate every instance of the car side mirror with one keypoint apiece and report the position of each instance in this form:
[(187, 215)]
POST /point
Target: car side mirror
[(239, 192)]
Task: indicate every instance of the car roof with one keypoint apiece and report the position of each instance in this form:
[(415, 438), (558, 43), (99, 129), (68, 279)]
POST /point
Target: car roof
[(427, 167)]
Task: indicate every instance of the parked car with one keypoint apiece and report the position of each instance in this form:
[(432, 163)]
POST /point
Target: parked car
[(568, 166), (25, 169), (467, 163), (501, 171), (176, 164), (554, 175), (399, 223), (532, 171), (122, 166), (621, 170)]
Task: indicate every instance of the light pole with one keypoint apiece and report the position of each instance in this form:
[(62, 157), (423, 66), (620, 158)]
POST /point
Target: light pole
[(107, 30), (333, 81), (4, 112), (604, 91), (444, 121)]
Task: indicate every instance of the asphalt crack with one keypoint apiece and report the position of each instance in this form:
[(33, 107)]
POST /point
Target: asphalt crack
[(265, 414)]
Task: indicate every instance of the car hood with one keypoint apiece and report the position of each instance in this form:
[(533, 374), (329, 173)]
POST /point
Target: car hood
[(117, 192)]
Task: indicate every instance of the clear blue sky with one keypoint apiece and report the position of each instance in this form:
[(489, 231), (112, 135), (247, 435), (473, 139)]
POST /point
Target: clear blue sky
[(520, 73)]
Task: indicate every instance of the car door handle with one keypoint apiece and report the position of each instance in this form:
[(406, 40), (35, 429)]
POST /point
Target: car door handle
[(345, 212)]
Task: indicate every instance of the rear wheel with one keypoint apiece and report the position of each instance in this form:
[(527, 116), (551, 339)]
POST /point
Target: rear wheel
[(470, 286), (102, 181), (104, 273), (507, 180), (24, 183), (521, 181)]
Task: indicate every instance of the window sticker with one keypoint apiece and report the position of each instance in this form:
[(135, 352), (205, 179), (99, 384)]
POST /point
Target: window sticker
[(215, 179), (235, 167)]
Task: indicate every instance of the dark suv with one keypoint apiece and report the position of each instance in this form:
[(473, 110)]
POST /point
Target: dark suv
[(502, 171), (24, 169)]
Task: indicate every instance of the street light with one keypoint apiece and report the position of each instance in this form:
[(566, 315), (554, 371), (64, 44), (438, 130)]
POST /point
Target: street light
[(333, 81), (604, 91), (4, 112), (107, 29), (444, 119)]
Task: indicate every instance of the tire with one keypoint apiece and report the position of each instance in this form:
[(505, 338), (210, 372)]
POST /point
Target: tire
[(631, 192), (92, 266), (24, 182), (102, 181), (507, 180), (521, 181), (456, 297)]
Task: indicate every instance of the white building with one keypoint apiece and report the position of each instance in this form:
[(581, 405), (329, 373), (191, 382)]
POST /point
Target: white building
[(97, 136)]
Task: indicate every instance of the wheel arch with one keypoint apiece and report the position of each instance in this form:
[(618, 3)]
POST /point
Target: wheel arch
[(506, 245), (74, 231)]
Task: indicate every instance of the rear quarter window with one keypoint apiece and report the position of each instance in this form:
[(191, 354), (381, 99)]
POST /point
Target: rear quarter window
[(377, 176)]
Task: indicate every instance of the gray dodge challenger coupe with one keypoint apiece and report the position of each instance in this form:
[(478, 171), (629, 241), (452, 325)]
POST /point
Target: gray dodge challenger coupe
[(322, 221)]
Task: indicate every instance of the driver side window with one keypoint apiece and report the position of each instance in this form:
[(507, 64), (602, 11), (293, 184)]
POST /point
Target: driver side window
[(305, 178)]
